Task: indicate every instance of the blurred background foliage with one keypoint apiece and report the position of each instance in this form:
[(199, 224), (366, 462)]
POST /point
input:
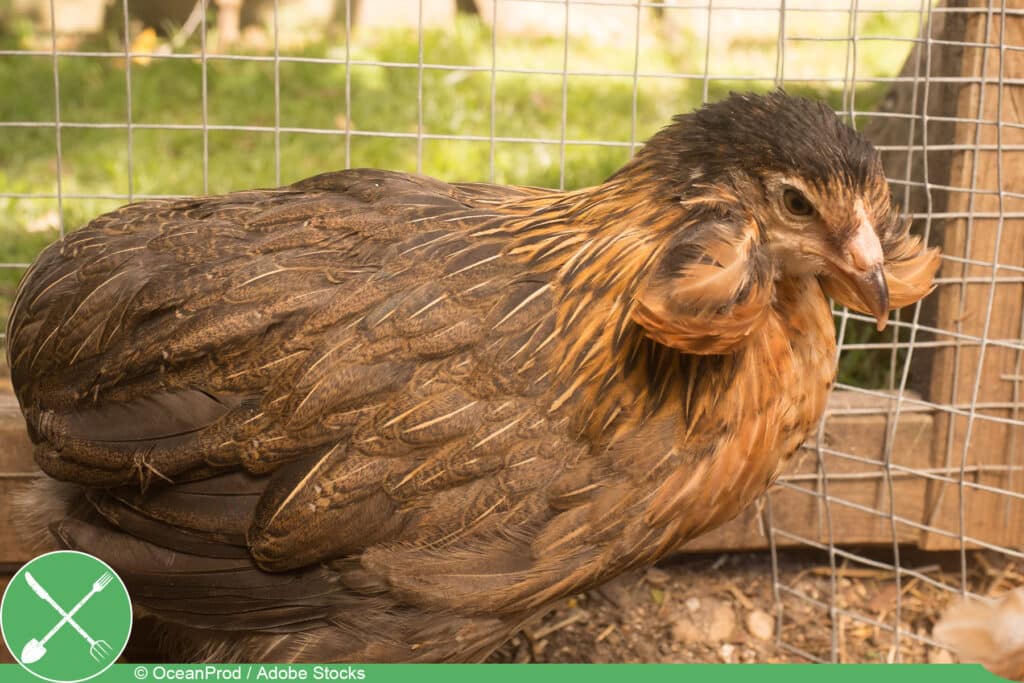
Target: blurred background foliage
[(381, 98)]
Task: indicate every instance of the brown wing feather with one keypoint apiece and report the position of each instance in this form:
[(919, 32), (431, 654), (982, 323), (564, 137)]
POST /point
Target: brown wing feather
[(336, 340)]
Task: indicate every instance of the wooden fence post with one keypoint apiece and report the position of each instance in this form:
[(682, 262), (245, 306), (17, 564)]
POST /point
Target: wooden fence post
[(971, 129)]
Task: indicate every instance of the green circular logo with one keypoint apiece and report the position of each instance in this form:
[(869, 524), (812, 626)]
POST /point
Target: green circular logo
[(66, 616)]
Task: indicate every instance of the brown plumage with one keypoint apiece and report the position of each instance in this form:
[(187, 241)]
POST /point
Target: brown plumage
[(374, 416)]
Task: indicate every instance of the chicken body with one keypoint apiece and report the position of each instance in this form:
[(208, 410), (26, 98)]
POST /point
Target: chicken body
[(376, 417)]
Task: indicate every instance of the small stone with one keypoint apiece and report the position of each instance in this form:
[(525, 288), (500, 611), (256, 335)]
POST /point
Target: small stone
[(685, 631), (692, 605), (657, 577), (760, 624), (722, 623), (727, 653)]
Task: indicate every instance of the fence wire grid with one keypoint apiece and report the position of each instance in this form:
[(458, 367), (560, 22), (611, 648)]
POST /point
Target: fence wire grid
[(928, 454)]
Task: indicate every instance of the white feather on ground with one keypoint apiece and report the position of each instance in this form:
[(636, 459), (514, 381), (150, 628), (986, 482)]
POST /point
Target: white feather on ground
[(989, 633)]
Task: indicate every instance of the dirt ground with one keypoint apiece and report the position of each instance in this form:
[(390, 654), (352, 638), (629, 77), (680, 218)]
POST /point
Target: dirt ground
[(722, 608)]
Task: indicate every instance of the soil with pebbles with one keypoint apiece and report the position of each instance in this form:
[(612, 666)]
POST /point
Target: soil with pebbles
[(724, 608)]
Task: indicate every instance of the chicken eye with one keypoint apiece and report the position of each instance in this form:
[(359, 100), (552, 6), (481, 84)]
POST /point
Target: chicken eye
[(796, 203)]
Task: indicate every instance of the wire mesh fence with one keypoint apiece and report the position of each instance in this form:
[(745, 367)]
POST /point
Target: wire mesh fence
[(923, 444)]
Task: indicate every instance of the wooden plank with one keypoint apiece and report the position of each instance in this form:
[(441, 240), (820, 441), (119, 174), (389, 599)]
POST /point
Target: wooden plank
[(913, 122), (852, 455), (16, 452), (17, 470), (5, 655), (940, 180), (976, 378)]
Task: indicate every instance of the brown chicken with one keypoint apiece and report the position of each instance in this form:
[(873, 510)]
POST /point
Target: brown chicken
[(374, 416)]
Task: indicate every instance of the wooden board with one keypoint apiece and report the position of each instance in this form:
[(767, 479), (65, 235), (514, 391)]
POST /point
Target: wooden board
[(17, 470), (984, 380), (951, 155), (5, 655)]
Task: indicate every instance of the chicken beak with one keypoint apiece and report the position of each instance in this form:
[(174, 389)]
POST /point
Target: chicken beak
[(875, 292), (863, 266), (866, 260)]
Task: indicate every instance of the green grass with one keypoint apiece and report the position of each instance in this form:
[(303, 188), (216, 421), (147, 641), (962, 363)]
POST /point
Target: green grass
[(312, 95)]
